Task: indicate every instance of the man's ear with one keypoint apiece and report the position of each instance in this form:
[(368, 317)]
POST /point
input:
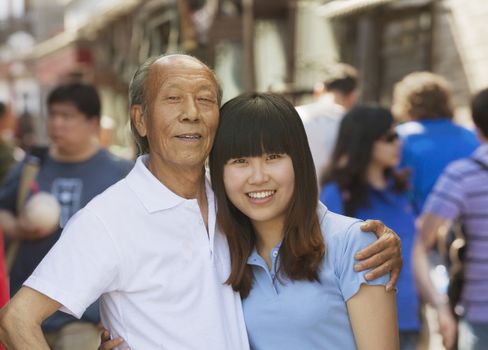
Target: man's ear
[(138, 119)]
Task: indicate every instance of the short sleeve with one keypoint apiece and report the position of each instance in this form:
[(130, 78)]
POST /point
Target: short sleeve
[(348, 245), (330, 196), (80, 267), (447, 197)]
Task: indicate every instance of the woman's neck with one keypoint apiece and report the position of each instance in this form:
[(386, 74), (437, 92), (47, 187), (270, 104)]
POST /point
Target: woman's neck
[(376, 177), (268, 235)]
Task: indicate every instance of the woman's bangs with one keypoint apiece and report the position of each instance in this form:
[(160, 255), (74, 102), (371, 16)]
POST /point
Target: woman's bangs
[(254, 135)]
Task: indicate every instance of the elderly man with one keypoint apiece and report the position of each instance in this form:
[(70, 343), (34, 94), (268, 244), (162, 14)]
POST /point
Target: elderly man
[(149, 245)]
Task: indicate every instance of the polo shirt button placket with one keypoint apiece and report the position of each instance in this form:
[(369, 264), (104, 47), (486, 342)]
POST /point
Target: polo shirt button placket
[(274, 255)]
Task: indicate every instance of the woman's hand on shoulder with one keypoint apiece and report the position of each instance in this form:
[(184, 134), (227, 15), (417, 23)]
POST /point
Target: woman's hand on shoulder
[(106, 343), (383, 256)]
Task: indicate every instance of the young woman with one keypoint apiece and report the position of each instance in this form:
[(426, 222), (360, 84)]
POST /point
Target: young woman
[(292, 259), (362, 182)]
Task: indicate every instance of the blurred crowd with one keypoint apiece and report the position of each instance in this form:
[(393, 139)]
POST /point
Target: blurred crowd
[(425, 177), (408, 164)]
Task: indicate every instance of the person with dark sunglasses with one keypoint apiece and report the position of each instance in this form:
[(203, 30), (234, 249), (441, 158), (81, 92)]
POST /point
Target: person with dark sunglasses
[(363, 182)]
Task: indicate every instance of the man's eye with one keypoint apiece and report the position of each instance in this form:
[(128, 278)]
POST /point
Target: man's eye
[(206, 99), (173, 98)]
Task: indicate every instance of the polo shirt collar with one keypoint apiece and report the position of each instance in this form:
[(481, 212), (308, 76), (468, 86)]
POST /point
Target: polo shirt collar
[(257, 260), (154, 195)]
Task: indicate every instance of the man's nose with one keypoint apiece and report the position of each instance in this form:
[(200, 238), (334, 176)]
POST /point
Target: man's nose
[(190, 112), (55, 120)]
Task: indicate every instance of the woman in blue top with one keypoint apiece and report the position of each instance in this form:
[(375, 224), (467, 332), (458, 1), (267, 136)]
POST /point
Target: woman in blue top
[(291, 259), (362, 182)]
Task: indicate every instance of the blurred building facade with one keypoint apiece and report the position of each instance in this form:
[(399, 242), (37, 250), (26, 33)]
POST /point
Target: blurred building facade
[(277, 45)]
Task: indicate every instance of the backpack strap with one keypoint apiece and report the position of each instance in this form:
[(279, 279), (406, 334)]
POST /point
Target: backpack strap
[(30, 169), (482, 165)]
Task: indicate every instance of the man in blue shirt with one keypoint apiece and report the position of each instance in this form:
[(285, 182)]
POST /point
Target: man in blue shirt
[(430, 138), (74, 169)]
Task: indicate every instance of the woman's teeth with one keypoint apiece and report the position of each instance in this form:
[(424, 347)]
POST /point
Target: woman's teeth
[(260, 194)]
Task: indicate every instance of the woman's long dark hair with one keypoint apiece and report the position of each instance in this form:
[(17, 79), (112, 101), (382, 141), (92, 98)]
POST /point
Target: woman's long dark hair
[(251, 125), (360, 128)]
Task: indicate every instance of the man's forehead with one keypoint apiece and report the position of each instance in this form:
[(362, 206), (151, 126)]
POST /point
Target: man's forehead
[(181, 60), (178, 67), (169, 65), (62, 105)]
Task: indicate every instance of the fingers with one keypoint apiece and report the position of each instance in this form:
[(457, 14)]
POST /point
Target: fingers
[(374, 248), (386, 241), (107, 343), (383, 262), (379, 271), (375, 226), (104, 336), (110, 344), (379, 257), (395, 274)]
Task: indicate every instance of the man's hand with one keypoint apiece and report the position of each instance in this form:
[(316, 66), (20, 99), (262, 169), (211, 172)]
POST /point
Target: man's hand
[(383, 256), (106, 343), (447, 326)]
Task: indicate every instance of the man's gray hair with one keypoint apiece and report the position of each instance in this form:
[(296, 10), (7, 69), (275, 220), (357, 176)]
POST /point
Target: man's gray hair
[(138, 96)]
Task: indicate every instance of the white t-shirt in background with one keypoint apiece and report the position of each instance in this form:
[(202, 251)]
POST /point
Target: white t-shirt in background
[(321, 120)]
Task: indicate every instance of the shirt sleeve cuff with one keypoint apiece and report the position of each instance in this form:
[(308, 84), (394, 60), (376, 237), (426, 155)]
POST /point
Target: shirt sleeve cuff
[(69, 304), (353, 287)]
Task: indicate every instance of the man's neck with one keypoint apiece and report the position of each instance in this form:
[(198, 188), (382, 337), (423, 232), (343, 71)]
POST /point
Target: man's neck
[(74, 157), (186, 182)]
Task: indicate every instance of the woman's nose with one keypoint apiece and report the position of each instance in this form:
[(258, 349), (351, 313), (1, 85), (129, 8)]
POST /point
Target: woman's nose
[(259, 174)]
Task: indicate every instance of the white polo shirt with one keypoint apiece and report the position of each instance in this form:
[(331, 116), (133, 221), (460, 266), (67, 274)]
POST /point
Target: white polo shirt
[(146, 252)]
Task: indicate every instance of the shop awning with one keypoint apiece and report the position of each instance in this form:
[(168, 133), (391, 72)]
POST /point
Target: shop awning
[(338, 8)]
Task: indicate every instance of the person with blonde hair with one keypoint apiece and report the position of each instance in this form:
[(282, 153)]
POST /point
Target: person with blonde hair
[(429, 136)]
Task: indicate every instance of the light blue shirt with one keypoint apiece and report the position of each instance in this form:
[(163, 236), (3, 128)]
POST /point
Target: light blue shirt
[(283, 314)]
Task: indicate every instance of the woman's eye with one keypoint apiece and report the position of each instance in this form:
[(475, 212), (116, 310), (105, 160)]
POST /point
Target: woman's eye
[(274, 156), (237, 161)]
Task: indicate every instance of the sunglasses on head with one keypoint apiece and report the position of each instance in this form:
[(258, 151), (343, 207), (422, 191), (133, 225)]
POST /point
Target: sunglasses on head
[(390, 137)]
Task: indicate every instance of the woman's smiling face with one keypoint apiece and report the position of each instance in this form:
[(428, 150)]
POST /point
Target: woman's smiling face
[(260, 187)]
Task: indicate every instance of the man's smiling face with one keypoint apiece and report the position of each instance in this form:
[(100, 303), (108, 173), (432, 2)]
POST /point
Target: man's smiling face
[(183, 112)]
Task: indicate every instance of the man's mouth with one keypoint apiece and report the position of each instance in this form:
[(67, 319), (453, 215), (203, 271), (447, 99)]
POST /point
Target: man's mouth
[(261, 194), (189, 137)]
